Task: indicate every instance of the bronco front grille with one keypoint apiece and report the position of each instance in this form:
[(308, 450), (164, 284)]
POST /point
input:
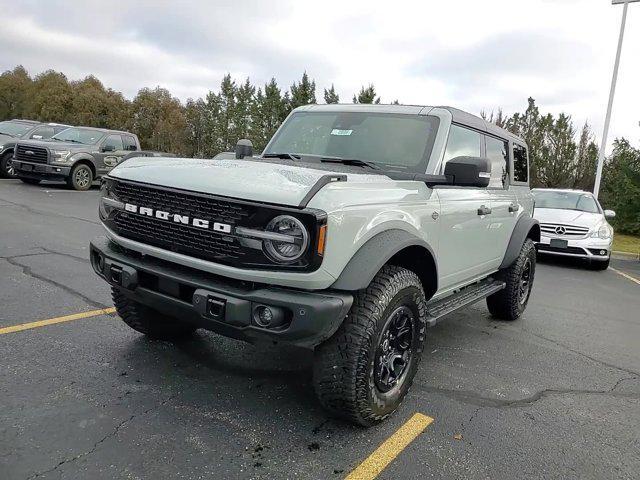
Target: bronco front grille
[(26, 153), (180, 238), (205, 243)]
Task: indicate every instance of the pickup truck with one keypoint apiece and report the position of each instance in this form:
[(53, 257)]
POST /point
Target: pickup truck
[(77, 155)]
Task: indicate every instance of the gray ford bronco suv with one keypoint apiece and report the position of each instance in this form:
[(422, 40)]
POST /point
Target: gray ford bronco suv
[(358, 227), (77, 155)]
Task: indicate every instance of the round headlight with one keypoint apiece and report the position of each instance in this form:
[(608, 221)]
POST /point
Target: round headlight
[(604, 231), (294, 242)]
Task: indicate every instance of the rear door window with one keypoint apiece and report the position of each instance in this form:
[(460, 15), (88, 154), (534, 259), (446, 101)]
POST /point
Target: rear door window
[(498, 154), (520, 163), (114, 141), (130, 143)]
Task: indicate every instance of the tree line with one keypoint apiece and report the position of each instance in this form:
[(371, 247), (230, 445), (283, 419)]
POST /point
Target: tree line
[(561, 155)]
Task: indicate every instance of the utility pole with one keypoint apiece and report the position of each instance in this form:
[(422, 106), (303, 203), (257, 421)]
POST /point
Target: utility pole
[(607, 118)]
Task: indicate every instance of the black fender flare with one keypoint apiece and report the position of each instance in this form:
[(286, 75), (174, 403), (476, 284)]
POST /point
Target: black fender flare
[(373, 255), (526, 227)]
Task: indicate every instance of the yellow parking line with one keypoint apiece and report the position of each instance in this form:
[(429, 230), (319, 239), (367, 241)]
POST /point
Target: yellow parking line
[(633, 279), (391, 448), (51, 321)]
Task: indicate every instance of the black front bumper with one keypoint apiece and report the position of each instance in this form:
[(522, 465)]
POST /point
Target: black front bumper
[(40, 171), (220, 304)]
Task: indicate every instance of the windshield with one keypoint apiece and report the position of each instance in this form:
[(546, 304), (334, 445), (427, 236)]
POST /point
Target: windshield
[(582, 202), (393, 141), (85, 136), (15, 129)]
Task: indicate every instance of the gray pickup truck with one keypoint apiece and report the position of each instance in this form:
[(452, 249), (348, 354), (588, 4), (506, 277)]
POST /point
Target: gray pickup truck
[(77, 155), (13, 130)]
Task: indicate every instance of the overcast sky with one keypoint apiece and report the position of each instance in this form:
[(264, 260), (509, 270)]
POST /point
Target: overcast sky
[(472, 54)]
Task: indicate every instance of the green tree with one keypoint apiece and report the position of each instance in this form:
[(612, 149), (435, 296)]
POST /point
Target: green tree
[(269, 110), (621, 187), (159, 120), (303, 93), (195, 118), (586, 160), (14, 88), (95, 106), (50, 98), (330, 96), (366, 95)]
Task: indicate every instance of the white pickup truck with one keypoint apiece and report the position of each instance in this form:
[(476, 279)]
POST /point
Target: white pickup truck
[(358, 227)]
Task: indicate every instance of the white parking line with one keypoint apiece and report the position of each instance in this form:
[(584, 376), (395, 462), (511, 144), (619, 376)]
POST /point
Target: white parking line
[(633, 279)]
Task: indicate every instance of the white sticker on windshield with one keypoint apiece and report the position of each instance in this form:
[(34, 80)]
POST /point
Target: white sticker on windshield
[(337, 131)]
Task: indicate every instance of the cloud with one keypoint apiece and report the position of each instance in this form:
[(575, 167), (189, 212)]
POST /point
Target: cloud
[(469, 54)]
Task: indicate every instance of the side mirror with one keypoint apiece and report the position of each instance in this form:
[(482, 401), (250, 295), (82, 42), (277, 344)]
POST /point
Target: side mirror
[(468, 171), (609, 214), (244, 148), (108, 148)]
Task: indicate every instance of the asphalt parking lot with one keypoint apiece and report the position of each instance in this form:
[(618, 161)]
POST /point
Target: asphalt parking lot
[(553, 395)]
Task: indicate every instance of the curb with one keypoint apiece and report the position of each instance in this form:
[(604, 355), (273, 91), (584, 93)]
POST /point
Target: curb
[(625, 255)]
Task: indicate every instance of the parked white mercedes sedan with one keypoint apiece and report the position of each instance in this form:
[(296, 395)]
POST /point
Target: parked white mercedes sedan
[(573, 224)]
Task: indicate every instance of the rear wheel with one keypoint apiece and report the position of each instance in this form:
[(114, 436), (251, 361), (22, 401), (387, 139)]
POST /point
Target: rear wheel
[(81, 177), (149, 321), (6, 168), (510, 302), (365, 370), (30, 181)]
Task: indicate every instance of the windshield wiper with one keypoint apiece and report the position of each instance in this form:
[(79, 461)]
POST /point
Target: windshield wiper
[(350, 161), (290, 156), (72, 141), (7, 133)]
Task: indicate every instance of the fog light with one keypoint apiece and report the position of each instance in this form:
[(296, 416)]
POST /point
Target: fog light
[(603, 252), (266, 316)]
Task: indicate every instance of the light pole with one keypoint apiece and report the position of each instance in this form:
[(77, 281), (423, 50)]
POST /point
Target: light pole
[(607, 118)]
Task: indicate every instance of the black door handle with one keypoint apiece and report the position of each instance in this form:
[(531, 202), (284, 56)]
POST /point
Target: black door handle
[(484, 210), (514, 207)]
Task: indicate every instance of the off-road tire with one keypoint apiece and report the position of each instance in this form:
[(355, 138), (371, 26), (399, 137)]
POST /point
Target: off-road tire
[(81, 177), (30, 181), (4, 166), (599, 265), (147, 320), (509, 303), (343, 370)]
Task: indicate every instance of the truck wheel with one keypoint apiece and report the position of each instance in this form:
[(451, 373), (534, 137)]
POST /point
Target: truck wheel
[(510, 302), (147, 320), (6, 169), (30, 181), (364, 371), (81, 177)]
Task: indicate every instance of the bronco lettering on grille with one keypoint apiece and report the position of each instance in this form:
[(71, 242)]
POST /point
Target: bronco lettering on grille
[(183, 219)]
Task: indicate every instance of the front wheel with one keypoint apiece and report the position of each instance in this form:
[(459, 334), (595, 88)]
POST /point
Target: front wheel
[(365, 370), (510, 302), (81, 177), (6, 168)]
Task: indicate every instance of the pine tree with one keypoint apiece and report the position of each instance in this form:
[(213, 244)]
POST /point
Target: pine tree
[(330, 96), (366, 95), (303, 93)]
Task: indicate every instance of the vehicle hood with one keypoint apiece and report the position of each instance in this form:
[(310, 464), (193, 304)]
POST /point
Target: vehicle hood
[(246, 179), (53, 144), (567, 217), (7, 139)]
